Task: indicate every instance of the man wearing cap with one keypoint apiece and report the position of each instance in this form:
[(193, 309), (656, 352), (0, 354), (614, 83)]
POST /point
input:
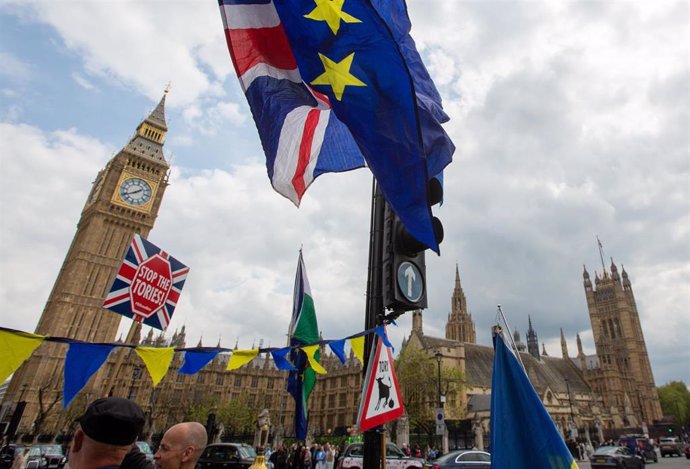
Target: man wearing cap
[(106, 433), (181, 446)]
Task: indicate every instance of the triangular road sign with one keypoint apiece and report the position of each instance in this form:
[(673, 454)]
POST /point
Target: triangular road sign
[(381, 401)]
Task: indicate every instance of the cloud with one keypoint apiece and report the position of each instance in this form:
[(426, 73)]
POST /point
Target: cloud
[(570, 120)]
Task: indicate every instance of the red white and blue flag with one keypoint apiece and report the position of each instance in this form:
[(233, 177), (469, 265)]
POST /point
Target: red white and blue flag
[(148, 284), (332, 85), (299, 132)]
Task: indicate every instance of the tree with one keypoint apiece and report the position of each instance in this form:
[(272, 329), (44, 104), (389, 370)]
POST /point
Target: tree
[(237, 416), (418, 378), (675, 400)]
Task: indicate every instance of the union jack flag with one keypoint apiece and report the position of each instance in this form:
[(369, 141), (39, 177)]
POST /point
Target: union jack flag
[(158, 310), (301, 136)]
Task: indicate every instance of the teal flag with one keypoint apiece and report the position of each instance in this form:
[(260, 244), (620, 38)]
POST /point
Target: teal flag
[(523, 434)]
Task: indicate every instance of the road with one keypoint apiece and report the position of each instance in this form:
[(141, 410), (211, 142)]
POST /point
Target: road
[(664, 463)]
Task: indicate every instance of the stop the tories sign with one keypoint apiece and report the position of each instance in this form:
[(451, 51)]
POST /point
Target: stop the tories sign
[(151, 286), (148, 284)]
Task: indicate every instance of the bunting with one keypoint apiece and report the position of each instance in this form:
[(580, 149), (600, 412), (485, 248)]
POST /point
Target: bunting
[(83, 359), (157, 361), (14, 349)]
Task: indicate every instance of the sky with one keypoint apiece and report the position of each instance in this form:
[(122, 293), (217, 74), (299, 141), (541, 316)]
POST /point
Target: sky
[(571, 120)]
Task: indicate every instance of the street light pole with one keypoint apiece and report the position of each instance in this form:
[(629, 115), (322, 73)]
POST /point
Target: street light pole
[(572, 414), (439, 357)]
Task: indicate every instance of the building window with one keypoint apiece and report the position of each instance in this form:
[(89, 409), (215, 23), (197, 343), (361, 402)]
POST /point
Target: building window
[(238, 380), (180, 378), (219, 379), (255, 381), (200, 378), (342, 399), (269, 383), (331, 401), (343, 381)]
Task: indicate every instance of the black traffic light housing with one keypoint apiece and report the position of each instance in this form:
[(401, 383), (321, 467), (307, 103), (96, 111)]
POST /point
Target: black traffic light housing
[(404, 264)]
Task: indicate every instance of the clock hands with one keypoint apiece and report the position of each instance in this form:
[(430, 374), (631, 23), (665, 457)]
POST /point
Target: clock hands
[(139, 189)]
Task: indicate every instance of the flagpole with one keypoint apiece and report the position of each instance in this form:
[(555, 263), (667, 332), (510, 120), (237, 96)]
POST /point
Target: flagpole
[(510, 337), (373, 440)]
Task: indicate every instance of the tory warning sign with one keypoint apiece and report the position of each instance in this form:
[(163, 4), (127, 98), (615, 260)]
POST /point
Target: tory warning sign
[(148, 284)]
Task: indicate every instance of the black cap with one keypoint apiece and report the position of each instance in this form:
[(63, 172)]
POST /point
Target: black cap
[(112, 420)]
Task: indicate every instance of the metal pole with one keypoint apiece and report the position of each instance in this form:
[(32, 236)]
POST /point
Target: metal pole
[(570, 401), (373, 314)]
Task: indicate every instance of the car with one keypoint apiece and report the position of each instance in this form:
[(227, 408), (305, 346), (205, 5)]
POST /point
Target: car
[(670, 446), (46, 457), (145, 448), (687, 451), (353, 458), (618, 457), (228, 456), (7, 455), (641, 445), (461, 459)]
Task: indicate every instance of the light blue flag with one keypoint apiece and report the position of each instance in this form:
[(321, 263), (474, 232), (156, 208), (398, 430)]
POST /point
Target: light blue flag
[(196, 360), (81, 362), (523, 434)]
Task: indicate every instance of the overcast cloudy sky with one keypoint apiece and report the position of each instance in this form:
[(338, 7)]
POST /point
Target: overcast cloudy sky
[(571, 119)]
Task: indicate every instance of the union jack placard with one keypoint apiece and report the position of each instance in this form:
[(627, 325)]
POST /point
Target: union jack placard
[(148, 284)]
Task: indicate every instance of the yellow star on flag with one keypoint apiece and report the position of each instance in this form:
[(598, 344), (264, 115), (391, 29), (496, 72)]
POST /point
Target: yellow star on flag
[(337, 75), (331, 11)]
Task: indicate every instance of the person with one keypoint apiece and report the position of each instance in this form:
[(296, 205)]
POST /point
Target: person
[(106, 433), (135, 459), (330, 456), (320, 457), (279, 458), (20, 458), (181, 446)]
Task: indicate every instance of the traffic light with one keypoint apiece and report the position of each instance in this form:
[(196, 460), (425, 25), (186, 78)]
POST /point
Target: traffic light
[(404, 266)]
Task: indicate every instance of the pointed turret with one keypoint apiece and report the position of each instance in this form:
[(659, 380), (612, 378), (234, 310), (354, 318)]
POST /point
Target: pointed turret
[(150, 135), (579, 345), (460, 326), (614, 272), (532, 340), (626, 280), (585, 275), (543, 350), (564, 345), (200, 344)]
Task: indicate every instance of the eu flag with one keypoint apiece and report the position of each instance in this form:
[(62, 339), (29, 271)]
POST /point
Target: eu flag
[(523, 434), (334, 83)]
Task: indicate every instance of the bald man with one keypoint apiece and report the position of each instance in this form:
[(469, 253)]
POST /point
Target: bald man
[(181, 446)]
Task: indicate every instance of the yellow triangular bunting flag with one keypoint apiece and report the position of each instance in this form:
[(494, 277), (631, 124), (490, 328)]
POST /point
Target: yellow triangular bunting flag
[(241, 357), (310, 350), (157, 361), (358, 348), (15, 347)]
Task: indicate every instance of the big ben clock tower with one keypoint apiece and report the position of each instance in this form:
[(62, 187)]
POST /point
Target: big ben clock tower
[(124, 199)]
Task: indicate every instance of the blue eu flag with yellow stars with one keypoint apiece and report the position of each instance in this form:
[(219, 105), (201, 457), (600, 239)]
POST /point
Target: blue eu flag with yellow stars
[(352, 52)]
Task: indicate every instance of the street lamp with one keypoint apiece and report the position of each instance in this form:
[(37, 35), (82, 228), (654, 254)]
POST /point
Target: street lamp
[(439, 357), (572, 414)]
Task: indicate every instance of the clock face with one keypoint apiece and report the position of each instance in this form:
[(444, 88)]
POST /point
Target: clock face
[(135, 191)]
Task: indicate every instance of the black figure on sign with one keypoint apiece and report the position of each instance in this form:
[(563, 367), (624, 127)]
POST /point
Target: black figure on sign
[(384, 393)]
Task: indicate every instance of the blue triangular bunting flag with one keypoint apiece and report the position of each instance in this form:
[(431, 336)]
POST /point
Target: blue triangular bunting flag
[(81, 362), (279, 357), (196, 360), (338, 347)]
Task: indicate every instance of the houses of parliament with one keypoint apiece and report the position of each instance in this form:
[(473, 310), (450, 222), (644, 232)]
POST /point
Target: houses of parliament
[(612, 389)]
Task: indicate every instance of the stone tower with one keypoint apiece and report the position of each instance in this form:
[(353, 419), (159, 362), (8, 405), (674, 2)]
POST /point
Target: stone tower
[(532, 340), (624, 377), (125, 198), (460, 326)]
